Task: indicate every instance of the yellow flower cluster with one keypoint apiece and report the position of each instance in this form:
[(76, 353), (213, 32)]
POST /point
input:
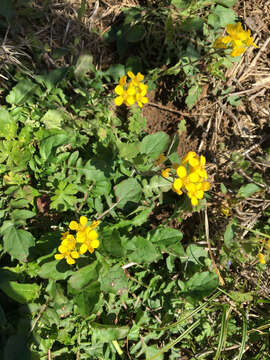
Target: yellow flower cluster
[(238, 39), (192, 177), (132, 91), (72, 246)]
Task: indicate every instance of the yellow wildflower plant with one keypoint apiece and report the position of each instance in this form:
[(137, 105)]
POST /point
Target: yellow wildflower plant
[(132, 91), (86, 238), (192, 177), (166, 172), (238, 40), (261, 258)]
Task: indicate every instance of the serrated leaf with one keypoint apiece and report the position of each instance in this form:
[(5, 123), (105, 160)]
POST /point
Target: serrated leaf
[(50, 142), (107, 333), (16, 242), (83, 66), (193, 96), (241, 297), (22, 293), (111, 242), (165, 236), (201, 284), (248, 190), (155, 144), (52, 78), (81, 278), (128, 190), (63, 198), (143, 250), (128, 151), (8, 126), (88, 298), (22, 214), (114, 280), (21, 93), (55, 270), (221, 16), (53, 119)]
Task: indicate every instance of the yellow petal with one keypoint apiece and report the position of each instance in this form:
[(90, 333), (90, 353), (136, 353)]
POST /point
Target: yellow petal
[(83, 249), (73, 225), (92, 235), (130, 100), (181, 172), (261, 258), (139, 77), (119, 90), (194, 201), (177, 184), (131, 90), (238, 51), (123, 80), (206, 186), (69, 260), (83, 220), (95, 244), (62, 249), (59, 256), (199, 194), (118, 101), (75, 254), (131, 75)]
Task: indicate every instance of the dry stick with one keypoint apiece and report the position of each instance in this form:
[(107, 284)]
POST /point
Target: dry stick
[(221, 281), (205, 134), (254, 61)]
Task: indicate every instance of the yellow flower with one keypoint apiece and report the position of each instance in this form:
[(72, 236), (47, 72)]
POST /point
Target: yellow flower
[(181, 172), (166, 172), (67, 250), (91, 241), (131, 92), (261, 258), (239, 39), (73, 225)]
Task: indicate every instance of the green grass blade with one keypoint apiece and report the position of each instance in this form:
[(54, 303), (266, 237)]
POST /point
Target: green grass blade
[(244, 337), (195, 311), (169, 346), (223, 331)]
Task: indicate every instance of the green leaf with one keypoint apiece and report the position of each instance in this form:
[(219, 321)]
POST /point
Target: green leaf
[(128, 151), (21, 93), (195, 252), (16, 242), (227, 3), (165, 236), (192, 24), (181, 4), (113, 280), (155, 144), (8, 126), (128, 190), (157, 185), (116, 71), (106, 333), (111, 242), (22, 293), (151, 351), (53, 119), (83, 66), (229, 235), (52, 141), (51, 79), (135, 33), (81, 278), (248, 190), (88, 298), (193, 96), (201, 284), (55, 270), (63, 198), (241, 297), (142, 250), (221, 16), (16, 348), (22, 214)]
